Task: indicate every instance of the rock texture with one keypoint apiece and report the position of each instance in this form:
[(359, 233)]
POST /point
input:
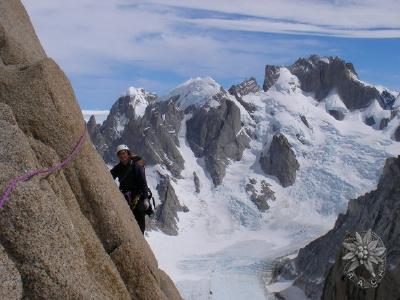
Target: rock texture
[(380, 211), (196, 182), (153, 136), (96, 136), (167, 212), (246, 87), (279, 160), (319, 267), (271, 76), (322, 75), (396, 135), (260, 196), (67, 235), (216, 133)]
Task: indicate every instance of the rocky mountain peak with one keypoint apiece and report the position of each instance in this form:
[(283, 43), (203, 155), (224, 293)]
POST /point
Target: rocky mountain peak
[(245, 87), (320, 75)]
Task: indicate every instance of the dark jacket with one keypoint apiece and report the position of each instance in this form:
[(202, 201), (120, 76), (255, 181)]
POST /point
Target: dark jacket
[(135, 181)]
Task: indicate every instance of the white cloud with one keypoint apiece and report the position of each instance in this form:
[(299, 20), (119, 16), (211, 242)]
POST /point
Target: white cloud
[(348, 17), (91, 37)]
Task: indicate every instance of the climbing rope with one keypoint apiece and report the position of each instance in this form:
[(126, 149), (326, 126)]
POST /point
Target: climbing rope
[(27, 176)]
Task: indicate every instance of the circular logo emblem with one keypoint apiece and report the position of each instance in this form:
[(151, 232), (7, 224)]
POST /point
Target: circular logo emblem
[(365, 258)]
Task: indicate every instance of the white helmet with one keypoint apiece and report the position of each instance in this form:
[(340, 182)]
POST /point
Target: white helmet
[(122, 147)]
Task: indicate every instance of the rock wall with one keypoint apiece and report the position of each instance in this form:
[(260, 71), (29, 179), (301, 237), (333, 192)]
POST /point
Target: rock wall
[(279, 160), (67, 235), (318, 268)]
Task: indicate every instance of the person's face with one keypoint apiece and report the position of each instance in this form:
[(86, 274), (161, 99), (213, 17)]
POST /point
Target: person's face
[(123, 156)]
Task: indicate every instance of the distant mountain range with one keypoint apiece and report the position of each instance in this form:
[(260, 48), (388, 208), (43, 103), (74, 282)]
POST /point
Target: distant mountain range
[(310, 139)]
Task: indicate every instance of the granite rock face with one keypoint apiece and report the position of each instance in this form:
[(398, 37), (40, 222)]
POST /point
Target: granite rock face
[(279, 160), (66, 235), (96, 136), (322, 75), (216, 134), (318, 268), (153, 135), (378, 210), (246, 87), (271, 76), (167, 212)]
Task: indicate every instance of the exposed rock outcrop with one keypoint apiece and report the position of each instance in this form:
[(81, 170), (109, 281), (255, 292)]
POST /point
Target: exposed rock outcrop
[(378, 210), (319, 267), (320, 75), (279, 160), (396, 134), (167, 212), (153, 135), (246, 87), (70, 234), (305, 121), (337, 114), (96, 136), (196, 182), (216, 133), (260, 196), (271, 76)]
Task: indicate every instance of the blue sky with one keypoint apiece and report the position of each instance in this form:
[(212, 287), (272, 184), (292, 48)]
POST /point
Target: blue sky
[(106, 46)]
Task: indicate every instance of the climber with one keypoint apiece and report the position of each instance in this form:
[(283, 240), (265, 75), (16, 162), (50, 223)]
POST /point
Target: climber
[(132, 183)]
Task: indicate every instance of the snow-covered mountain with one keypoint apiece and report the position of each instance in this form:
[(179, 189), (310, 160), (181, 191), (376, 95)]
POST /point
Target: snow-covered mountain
[(248, 175), (196, 91)]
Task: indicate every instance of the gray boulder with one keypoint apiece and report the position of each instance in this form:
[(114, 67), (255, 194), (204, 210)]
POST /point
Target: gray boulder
[(216, 133), (337, 114), (279, 160)]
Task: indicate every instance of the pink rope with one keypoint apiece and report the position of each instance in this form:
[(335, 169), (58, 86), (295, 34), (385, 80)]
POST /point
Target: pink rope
[(52, 169)]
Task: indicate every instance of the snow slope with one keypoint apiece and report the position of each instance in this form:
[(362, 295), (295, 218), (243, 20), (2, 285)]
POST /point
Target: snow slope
[(138, 100), (196, 91), (225, 246)]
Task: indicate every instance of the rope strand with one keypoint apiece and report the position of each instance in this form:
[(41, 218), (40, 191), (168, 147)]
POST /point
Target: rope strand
[(50, 170)]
